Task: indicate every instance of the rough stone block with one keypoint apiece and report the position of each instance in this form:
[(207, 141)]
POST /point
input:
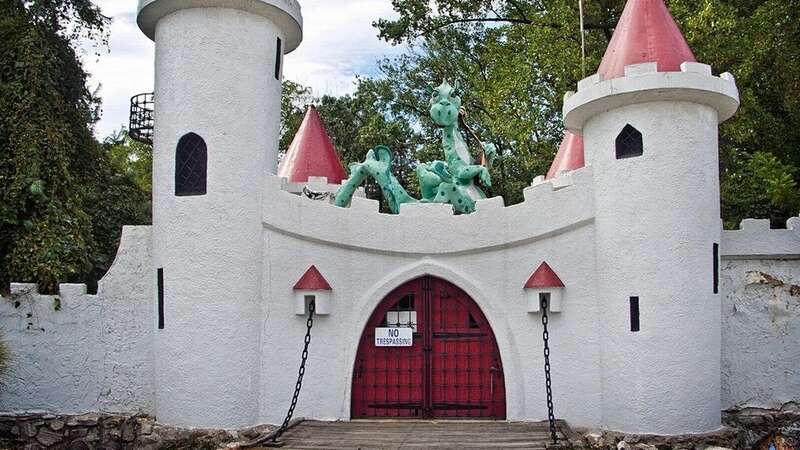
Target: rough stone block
[(490, 205), (754, 225), (590, 81), (695, 67), (532, 192), (318, 180), (563, 180), (538, 180), (427, 211), (72, 290), (793, 224), (24, 288), (641, 69), (48, 437)]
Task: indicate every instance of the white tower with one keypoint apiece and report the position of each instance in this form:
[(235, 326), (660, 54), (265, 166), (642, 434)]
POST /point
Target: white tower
[(650, 124), (218, 76)]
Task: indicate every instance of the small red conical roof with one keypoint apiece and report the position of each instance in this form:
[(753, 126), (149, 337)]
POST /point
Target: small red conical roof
[(544, 277), (646, 32), (570, 155), (312, 280), (312, 153)]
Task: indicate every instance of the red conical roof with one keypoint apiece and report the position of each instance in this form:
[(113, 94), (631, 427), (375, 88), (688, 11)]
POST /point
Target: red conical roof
[(544, 277), (646, 32), (312, 153), (312, 280), (569, 157)]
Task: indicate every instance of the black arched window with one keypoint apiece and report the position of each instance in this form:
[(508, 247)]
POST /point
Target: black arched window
[(629, 143), (191, 164)]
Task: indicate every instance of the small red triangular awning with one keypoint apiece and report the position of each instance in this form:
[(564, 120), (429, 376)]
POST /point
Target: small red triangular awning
[(312, 153), (646, 32), (312, 280), (570, 155), (544, 277)]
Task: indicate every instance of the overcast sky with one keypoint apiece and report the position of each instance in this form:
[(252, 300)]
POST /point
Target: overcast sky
[(339, 43)]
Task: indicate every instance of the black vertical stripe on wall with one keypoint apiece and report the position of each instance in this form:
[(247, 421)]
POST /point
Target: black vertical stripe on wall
[(635, 314), (278, 58), (716, 268), (160, 299)]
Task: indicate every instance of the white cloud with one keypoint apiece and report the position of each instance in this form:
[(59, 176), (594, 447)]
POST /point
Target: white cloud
[(339, 43)]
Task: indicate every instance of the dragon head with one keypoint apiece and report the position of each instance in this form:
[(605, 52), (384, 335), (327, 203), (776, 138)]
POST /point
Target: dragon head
[(445, 104)]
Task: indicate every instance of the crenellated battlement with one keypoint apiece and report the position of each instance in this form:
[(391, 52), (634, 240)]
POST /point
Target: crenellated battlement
[(28, 311), (643, 83), (644, 69), (134, 244), (550, 208), (756, 239)]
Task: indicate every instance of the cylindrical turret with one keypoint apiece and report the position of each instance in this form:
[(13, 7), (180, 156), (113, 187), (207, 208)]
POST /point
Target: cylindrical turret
[(651, 135), (218, 77)]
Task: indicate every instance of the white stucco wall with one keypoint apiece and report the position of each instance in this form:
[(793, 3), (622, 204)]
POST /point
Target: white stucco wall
[(657, 218), (657, 221), (761, 316), (95, 353), (490, 255), (214, 76)]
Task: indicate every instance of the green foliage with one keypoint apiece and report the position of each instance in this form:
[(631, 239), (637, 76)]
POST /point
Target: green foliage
[(760, 185), (63, 200), (293, 105), (357, 123)]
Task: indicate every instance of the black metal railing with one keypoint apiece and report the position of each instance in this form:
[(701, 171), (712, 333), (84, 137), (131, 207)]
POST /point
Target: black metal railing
[(141, 123)]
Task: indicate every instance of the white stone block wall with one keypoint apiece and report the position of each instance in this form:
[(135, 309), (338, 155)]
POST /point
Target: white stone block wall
[(74, 352), (761, 316)]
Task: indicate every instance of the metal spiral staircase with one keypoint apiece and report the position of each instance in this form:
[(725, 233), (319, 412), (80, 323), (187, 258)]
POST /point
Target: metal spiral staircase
[(141, 120)]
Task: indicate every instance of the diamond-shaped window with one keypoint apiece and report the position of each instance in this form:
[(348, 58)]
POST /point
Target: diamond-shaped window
[(191, 164)]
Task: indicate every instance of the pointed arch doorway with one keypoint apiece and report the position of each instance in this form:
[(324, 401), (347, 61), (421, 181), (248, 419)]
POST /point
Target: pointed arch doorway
[(452, 369)]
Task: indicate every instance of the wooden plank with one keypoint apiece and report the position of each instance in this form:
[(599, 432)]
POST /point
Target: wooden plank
[(416, 434)]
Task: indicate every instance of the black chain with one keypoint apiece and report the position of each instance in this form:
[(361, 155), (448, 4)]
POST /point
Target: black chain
[(300, 374), (546, 337)]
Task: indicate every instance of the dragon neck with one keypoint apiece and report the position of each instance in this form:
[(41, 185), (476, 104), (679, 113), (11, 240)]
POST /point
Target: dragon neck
[(455, 146)]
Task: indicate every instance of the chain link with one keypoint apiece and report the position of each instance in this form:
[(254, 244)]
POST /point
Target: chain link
[(548, 382), (300, 373)]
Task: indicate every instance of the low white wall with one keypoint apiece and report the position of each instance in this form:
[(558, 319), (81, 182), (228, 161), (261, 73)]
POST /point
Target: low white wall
[(73, 352), (761, 315)]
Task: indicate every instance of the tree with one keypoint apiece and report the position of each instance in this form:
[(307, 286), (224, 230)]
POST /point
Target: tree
[(517, 58), (60, 192), (356, 123)]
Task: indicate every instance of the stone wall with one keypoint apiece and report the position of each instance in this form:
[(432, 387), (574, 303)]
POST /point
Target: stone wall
[(74, 352), (761, 316), (109, 432)]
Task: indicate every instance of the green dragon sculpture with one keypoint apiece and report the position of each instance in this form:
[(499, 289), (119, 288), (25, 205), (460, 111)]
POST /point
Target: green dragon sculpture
[(451, 181)]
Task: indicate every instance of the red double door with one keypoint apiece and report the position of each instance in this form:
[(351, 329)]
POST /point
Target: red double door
[(452, 370)]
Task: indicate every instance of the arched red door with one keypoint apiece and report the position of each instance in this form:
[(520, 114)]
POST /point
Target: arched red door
[(452, 369)]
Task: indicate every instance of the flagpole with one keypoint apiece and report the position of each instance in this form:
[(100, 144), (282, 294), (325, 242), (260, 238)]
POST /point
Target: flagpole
[(583, 40)]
